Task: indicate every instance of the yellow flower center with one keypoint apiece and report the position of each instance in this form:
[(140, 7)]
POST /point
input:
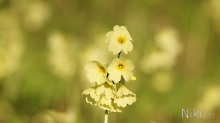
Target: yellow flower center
[(120, 66), (101, 69), (121, 40)]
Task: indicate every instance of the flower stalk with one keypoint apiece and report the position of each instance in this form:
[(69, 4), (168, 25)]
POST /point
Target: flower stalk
[(119, 55), (106, 117)]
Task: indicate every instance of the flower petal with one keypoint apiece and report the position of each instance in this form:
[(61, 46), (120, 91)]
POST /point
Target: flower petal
[(90, 100), (127, 74), (120, 102), (116, 28), (114, 47), (87, 91), (128, 46), (100, 89), (109, 35), (115, 77), (129, 64), (115, 108), (94, 96), (92, 76), (130, 99), (123, 91), (101, 79), (109, 94)]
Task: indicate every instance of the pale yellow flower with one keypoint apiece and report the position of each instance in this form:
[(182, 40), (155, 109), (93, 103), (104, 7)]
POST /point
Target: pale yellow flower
[(108, 104), (120, 67), (108, 90), (124, 97), (115, 108), (91, 96), (105, 104), (119, 40), (96, 72)]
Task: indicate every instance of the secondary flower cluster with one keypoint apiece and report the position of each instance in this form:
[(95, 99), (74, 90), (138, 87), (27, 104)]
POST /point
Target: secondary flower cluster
[(109, 92)]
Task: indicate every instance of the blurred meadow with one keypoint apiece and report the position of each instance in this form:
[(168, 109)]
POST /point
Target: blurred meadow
[(45, 44)]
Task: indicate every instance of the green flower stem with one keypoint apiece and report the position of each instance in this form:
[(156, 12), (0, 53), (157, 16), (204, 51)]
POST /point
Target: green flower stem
[(106, 117), (122, 81), (119, 55)]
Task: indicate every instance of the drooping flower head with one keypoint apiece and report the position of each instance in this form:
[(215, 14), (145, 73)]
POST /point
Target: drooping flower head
[(124, 97), (120, 67), (109, 105), (96, 72), (91, 96), (119, 40), (109, 91)]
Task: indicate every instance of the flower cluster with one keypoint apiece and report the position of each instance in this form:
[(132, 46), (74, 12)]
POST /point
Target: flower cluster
[(109, 92)]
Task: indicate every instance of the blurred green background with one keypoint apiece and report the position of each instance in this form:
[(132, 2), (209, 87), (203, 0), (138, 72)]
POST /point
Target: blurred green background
[(45, 44)]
